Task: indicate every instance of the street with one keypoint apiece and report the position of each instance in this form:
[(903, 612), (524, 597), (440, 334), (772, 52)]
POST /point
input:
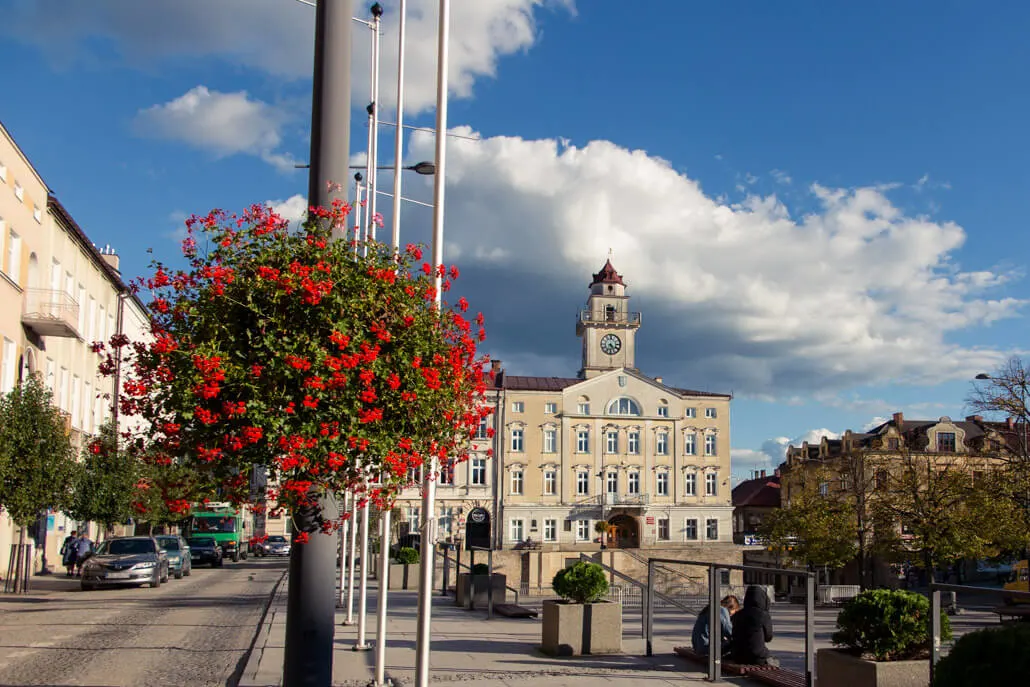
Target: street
[(193, 631)]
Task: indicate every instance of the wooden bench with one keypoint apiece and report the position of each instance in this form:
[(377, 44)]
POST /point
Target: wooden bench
[(776, 677)]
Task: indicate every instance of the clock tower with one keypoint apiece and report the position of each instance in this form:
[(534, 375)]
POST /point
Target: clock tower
[(607, 326)]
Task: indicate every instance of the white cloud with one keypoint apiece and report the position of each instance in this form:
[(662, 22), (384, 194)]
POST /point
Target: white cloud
[(276, 36), (773, 451), (875, 422), (747, 296), (222, 123), (294, 209)]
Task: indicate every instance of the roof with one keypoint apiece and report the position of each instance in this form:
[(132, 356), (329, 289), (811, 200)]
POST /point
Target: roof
[(759, 492), (607, 275), (519, 383)]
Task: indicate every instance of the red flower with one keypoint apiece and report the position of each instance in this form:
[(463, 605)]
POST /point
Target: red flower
[(301, 538), (256, 369), (394, 381)]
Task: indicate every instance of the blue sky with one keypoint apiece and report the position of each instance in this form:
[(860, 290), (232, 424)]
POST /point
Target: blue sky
[(817, 208)]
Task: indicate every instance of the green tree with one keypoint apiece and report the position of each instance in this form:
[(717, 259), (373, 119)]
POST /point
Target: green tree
[(107, 483), (37, 461)]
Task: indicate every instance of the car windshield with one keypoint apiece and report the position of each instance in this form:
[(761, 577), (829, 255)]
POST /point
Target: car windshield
[(214, 523), (277, 540), (127, 547), (169, 543), (202, 542)]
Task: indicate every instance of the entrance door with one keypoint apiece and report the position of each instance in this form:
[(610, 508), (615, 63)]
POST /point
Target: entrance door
[(627, 531)]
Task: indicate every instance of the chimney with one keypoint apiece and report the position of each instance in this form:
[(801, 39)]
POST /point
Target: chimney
[(658, 379), (763, 473), (776, 472), (111, 258), (1011, 422), (495, 366), (899, 418), (974, 418)]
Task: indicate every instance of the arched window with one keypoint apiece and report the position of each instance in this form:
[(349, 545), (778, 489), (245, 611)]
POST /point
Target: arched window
[(623, 406)]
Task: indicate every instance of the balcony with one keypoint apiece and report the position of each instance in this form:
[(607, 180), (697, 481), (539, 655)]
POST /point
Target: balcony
[(612, 316), (626, 499), (51, 313)]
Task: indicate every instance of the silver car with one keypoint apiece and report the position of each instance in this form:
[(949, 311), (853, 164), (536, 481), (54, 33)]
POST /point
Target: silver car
[(126, 561)]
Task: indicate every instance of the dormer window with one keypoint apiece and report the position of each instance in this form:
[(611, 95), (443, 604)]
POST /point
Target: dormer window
[(623, 406), (945, 442)]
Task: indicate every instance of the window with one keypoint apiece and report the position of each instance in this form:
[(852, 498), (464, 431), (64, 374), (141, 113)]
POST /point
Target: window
[(945, 442), (623, 406), (690, 444), (3, 172), (690, 529), (483, 429), (516, 530), (663, 410), (711, 529), (479, 471), (611, 442), (516, 440), (37, 214), (50, 371), (82, 309), (582, 530), (550, 408), (583, 441), (662, 483), (91, 323), (690, 484), (414, 476), (550, 482), (550, 530), (661, 444), (845, 482), (691, 412), (518, 407), (711, 484), (633, 483), (76, 404), (87, 408), (447, 473), (101, 323), (12, 264), (633, 443), (881, 479), (550, 440), (709, 444), (8, 365), (710, 413), (611, 483), (893, 444), (582, 483), (663, 529), (824, 489), (62, 394), (19, 192), (583, 408), (516, 482)]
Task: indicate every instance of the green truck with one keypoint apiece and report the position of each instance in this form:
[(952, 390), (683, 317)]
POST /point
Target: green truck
[(225, 523)]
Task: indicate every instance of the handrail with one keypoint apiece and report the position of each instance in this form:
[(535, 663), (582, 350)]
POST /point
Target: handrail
[(506, 585)]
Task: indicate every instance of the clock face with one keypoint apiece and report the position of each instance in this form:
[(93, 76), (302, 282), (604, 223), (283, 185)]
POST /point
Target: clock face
[(610, 344)]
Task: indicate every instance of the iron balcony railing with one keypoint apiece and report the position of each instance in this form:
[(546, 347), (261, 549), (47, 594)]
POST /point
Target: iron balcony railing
[(51, 312), (609, 316)]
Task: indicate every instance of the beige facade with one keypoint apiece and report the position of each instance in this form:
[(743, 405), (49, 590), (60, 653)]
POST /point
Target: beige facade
[(611, 444), (58, 294)]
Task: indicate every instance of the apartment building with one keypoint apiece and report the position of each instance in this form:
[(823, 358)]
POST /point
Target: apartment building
[(58, 294)]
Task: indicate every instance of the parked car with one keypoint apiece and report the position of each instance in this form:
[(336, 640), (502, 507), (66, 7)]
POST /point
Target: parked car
[(205, 551), (126, 561), (275, 545), (179, 561)]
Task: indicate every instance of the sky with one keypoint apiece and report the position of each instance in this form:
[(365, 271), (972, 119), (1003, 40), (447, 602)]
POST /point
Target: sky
[(815, 206)]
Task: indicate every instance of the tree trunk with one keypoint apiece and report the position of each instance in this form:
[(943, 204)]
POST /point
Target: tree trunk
[(20, 563)]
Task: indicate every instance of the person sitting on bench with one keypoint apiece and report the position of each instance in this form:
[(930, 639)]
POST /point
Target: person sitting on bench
[(752, 628), (699, 639)]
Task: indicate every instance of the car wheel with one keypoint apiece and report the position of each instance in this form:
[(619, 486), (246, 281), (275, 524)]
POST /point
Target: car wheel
[(178, 574), (164, 578), (236, 558), (217, 564), (156, 582), (188, 570)]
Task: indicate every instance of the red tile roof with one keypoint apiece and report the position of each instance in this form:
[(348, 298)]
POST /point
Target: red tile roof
[(607, 275), (760, 492)]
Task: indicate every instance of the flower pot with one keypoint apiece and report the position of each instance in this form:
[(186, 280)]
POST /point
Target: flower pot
[(404, 575), (571, 629), (838, 667), (476, 586)]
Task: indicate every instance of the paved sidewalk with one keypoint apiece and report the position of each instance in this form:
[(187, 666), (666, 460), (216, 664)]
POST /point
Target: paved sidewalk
[(466, 648)]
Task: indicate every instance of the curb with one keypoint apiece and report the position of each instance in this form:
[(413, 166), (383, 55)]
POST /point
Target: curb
[(250, 662)]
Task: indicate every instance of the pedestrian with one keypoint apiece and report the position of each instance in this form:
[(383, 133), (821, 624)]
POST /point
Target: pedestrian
[(752, 628), (70, 552), (699, 638), (84, 549)]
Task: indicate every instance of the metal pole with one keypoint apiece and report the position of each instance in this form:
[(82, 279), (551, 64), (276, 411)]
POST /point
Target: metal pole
[(490, 584), (471, 600), (310, 616), (350, 559), (425, 591), (810, 630), (714, 626), (361, 644), (649, 611), (343, 554), (384, 585), (358, 187), (935, 646), (398, 139), (373, 179), (446, 571)]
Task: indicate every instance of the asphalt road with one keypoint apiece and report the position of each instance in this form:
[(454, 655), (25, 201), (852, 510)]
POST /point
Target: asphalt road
[(194, 631)]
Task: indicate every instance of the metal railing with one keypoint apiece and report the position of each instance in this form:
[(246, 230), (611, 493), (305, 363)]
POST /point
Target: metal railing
[(935, 611), (610, 499), (609, 316), (472, 561), (51, 304), (714, 621)]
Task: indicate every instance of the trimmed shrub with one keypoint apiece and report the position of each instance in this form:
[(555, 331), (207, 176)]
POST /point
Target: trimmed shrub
[(406, 555), (992, 656), (583, 583), (480, 569), (888, 625)]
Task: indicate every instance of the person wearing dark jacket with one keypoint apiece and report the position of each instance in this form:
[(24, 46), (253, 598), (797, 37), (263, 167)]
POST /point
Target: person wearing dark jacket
[(752, 628)]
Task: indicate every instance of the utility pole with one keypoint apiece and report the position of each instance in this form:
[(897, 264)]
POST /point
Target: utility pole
[(311, 597)]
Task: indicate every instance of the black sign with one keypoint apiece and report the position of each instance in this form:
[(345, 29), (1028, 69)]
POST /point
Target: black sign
[(477, 529)]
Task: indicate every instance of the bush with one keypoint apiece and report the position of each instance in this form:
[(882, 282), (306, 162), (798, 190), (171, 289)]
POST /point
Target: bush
[(406, 555), (992, 656), (480, 569), (889, 624), (583, 583)]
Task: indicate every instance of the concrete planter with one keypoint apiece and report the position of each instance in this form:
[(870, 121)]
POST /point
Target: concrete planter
[(404, 576), (837, 667), (575, 629), (476, 585)]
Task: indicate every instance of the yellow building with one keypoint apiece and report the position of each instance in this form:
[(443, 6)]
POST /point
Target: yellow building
[(58, 294)]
